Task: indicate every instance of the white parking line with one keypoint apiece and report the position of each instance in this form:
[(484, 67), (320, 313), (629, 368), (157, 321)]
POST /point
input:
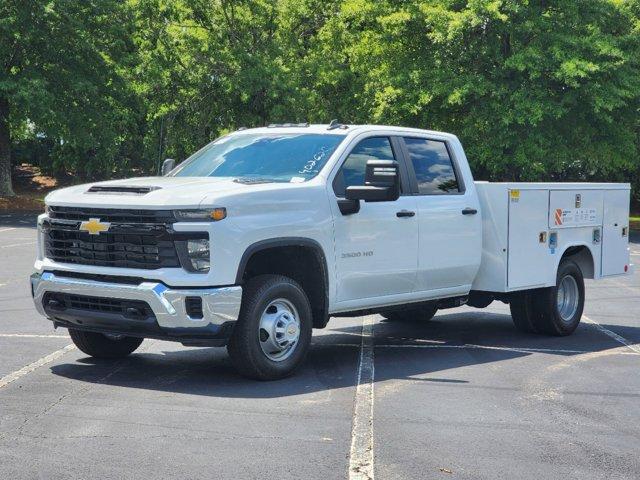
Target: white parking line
[(18, 244), (6, 229), (29, 335), (473, 347), (468, 346), (614, 335), (7, 379), (361, 454)]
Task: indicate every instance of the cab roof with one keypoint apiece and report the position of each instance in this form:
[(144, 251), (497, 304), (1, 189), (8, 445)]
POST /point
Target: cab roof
[(342, 129)]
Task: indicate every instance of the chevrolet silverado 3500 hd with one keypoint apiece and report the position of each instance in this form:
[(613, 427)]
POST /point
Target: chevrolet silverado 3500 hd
[(265, 233)]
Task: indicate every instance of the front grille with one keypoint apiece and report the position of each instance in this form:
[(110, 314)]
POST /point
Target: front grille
[(101, 278), (112, 215), (135, 309), (140, 239), (139, 249)]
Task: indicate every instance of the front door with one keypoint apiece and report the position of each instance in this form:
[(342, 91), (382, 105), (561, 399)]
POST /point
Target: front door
[(376, 248)]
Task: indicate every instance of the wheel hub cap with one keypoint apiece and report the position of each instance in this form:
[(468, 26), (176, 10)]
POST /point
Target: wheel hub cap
[(279, 330), (568, 298)]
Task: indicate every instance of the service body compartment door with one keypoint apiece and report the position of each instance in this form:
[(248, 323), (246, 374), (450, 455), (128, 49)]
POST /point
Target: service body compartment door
[(529, 257), (615, 232), (575, 208)]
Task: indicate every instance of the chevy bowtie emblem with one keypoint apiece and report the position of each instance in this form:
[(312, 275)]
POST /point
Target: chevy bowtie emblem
[(94, 226)]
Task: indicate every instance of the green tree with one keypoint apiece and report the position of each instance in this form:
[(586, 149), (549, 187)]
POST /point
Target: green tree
[(58, 76), (538, 89), (207, 66)]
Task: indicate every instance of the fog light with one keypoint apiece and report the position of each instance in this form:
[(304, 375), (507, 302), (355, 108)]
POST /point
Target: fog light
[(199, 254)]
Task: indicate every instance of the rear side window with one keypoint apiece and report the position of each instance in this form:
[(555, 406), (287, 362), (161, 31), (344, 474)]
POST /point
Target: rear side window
[(433, 166), (353, 169)]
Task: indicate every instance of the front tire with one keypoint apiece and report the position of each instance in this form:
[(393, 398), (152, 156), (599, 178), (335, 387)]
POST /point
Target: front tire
[(273, 332), (98, 345)]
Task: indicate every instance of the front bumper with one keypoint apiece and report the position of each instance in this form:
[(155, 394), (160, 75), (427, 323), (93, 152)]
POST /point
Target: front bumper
[(220, 308)]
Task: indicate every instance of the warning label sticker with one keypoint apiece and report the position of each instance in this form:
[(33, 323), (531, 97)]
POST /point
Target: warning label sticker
[(558, 216), (574, 217)]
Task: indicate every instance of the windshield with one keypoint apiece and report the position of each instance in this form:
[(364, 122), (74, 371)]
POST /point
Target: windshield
[(262, 157)]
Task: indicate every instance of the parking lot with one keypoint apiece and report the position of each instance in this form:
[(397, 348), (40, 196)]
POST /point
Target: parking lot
[(464, 396)]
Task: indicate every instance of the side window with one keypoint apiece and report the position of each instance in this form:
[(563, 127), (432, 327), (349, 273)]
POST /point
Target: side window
[(433, 166), (353, 169)]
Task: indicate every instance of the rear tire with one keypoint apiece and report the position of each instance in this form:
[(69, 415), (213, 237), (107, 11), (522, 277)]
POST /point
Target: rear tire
[(559, 309), (98, 345), (423, 313), (273, 332), (555, 310), (523, 312)]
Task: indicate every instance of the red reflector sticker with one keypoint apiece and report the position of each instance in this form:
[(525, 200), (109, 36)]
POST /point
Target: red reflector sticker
[(626, 268)]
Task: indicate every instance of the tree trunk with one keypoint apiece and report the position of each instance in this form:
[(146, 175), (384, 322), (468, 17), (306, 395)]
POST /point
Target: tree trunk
[(6, 189)]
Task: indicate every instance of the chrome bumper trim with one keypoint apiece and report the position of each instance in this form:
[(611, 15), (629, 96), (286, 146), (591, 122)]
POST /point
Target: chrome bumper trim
[(219, 305)]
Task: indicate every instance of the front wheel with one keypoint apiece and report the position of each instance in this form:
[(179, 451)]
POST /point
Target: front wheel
[(272, 334), (104, 346)]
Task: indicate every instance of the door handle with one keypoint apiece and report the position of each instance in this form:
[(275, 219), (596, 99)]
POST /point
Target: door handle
[(469, 211), (405, 213)]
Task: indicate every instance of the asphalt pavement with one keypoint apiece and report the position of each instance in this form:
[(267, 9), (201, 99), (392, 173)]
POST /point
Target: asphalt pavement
[(463, 397)]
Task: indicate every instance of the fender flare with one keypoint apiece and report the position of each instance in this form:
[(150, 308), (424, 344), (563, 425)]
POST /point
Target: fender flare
[(574, 245), (291, 242)]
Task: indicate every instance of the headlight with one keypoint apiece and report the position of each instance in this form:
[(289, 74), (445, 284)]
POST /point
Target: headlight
[(199, 215), (199, 254)]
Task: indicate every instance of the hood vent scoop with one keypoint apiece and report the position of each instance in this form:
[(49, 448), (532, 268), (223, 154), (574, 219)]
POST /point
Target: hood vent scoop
[(121, 190)]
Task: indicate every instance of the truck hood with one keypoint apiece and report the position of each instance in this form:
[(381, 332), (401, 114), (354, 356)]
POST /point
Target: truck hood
[(151, 192)]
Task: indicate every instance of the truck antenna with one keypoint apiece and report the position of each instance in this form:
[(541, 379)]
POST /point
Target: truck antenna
[(334, 124)]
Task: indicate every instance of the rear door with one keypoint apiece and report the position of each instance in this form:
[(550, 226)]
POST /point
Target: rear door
[(615, 232), (450, 229), (376, 248)]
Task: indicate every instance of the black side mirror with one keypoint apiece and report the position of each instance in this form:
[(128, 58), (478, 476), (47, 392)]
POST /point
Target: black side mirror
[(381, 183), (167, 166)]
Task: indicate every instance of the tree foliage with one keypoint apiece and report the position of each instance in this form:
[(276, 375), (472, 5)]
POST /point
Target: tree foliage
[(536, 89)]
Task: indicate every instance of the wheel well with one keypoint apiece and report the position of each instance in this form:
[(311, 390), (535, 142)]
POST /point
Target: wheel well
[(581, 255), (303, 263)]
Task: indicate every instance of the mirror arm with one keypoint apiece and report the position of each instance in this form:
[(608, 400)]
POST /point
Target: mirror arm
[(167, 166), (348, 207)]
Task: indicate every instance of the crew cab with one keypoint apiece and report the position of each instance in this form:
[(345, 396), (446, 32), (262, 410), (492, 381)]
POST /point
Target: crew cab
[(266, 233)]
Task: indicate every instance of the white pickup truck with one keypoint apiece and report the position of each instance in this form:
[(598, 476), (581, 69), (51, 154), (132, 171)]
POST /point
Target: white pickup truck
[(265, 233)]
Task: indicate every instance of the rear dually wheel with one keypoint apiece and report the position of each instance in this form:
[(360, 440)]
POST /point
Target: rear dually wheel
[(555, 310)]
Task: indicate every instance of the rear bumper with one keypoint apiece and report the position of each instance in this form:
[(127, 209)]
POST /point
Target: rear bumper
[(220, 308)]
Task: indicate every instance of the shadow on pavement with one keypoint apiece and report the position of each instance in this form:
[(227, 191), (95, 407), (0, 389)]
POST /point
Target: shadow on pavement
[(333, 359)]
